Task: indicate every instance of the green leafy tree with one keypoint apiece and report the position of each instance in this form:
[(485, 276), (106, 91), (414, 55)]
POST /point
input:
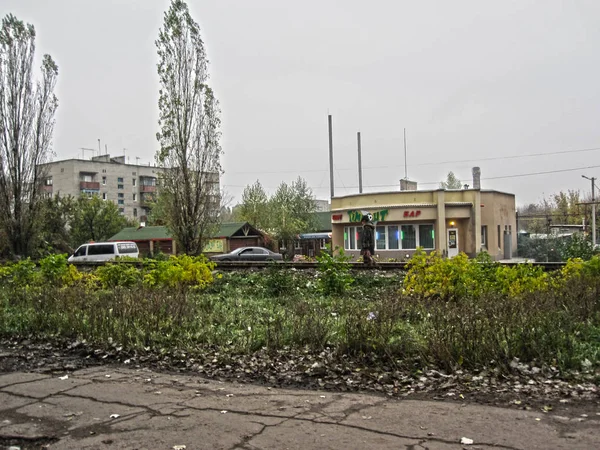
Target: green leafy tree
[(189, 131), (95, 219), (27, 111), (291, 211), (254, 208), (451, 182), (54, 235)]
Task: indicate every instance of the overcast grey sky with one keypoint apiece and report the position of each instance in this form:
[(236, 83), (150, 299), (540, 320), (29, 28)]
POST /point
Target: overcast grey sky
[(469, 80)]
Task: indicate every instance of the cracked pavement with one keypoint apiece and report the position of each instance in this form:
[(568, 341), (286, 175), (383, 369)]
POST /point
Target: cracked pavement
[(117, 408)]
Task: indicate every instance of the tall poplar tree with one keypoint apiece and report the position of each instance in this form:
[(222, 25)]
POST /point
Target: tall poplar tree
[(27, 110), (189, 131)]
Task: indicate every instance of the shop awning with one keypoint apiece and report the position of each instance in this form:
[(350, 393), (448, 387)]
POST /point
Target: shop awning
[(315, 236)]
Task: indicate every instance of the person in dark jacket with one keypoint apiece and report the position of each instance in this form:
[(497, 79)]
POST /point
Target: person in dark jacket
[(367, 241)]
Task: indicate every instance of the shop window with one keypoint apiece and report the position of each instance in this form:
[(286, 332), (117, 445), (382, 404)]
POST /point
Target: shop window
[(484, 236), (393, 237), (380, 238), (426, 236), (408, 236), (352, 238)]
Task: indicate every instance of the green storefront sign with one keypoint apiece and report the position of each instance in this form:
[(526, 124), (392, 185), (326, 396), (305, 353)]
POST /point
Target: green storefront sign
[(378, 216)]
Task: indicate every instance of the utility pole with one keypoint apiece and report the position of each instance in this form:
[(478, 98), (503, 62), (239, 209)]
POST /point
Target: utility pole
[(359, 164), (331, 184), (405, 164), (593, 180)]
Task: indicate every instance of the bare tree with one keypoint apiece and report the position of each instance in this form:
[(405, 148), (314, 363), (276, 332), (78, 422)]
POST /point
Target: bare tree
[(26, 127), (189, 130)]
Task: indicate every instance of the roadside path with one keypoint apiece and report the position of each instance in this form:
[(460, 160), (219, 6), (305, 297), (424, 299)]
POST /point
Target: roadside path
[(118, 408)]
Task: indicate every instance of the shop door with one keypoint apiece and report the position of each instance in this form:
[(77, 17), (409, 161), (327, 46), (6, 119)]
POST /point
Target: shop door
[(452, 242)]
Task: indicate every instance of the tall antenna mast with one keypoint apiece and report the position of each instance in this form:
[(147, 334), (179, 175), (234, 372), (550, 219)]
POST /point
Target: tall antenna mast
[(405, 166)]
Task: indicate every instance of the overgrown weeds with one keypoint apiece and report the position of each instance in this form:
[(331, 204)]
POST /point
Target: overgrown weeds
[(447, 313)]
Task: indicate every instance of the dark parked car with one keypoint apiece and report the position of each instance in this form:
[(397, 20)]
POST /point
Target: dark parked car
[(249, 254)]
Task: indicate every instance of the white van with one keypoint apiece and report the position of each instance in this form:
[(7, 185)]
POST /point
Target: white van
[(104, 251)]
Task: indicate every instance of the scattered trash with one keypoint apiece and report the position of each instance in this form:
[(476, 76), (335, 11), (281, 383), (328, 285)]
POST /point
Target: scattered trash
[(229, 395), (107, 376), (127, 361), (158, 392), (322, 396), (466, 441), (224, 412), (538, 419), (115, 416), (66, 377), (14, 447), (179, 447), (367, 417)]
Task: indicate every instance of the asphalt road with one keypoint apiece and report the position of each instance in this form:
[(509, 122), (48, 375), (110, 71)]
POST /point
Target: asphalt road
[(117, 408)]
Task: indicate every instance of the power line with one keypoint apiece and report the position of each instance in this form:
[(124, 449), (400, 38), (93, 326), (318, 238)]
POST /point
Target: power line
[(547, 172), (438, 163)]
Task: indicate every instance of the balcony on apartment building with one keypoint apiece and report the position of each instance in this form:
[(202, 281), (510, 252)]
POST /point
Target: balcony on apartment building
[(147, 184), (147, 188), (89, 185)]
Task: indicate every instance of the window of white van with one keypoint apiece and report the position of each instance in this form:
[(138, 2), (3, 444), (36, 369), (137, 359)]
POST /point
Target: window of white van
[(80, 251), (101, 249), (127, 247)]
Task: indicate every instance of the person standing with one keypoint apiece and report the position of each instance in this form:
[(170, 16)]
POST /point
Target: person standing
[(367, 241)]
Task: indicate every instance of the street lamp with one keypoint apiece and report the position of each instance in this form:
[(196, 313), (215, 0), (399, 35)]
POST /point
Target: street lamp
[(593, 179)]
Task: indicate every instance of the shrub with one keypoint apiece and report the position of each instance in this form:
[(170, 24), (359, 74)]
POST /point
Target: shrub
[(334, 272), (180, 271)]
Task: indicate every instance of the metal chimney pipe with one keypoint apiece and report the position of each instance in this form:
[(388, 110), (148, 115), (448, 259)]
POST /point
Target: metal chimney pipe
[(476, 178)]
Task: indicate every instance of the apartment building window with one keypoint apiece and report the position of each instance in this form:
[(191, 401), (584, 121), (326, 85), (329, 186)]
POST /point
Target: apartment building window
[(135, 197), (499, 237), (103, 170), (134, 212), (133, 181), (62, 169), (104, 197), (484, 236), (121, 202), (134, 173), (323, 244), (103, 181), (119, 186), (121, 195), (121, 210), (48, 181), (119, 180)]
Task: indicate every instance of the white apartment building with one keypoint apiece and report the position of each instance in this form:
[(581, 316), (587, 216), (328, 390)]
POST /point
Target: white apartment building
[(132, 187)]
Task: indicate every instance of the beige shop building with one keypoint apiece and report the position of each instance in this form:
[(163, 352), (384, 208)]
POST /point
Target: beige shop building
[(449, 221)]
